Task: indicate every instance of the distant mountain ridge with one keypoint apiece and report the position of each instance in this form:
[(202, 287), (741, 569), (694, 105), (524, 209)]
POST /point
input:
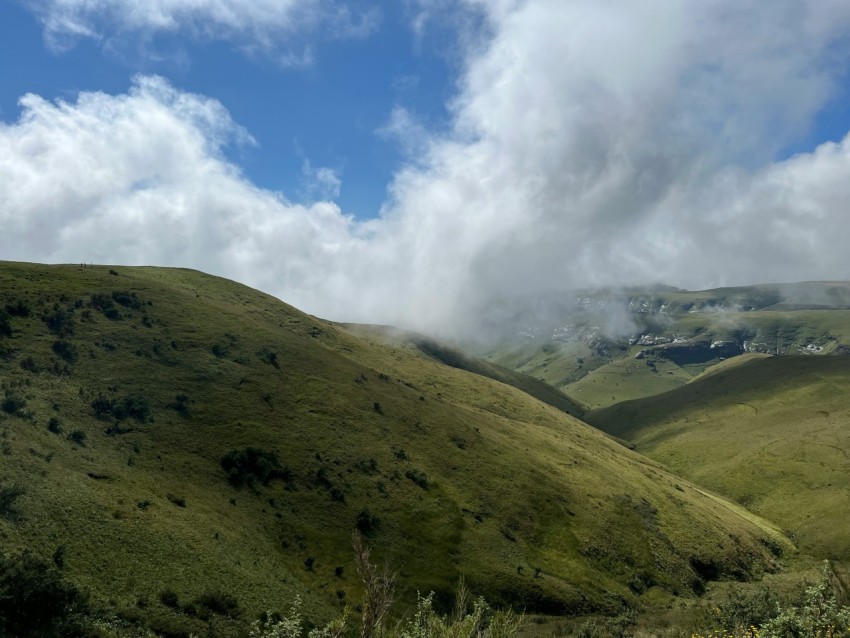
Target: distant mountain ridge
[(631, 343)]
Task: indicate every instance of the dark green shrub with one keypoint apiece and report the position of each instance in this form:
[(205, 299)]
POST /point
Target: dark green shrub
[(66, 350), (35, 600), (101, 301), (29, 364), (748, 609), (420, 478), (59, 557), (179, 501), (181, 404), (219, 351), (221, 603), (59, 321), (19, 308), (54, 425), (169, 598), (251, 466), (13, 404), (127, 299), (269, 357), (5, 324), (366, 522), (137, 407), (133, 406), (78, 437), (8, 496)]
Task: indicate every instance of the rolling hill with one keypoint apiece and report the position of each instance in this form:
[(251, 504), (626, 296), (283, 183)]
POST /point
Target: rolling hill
[(177, 438), (770, 432)]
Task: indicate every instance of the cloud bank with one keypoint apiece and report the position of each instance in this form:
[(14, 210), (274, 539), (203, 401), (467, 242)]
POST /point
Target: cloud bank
[(593, 143)]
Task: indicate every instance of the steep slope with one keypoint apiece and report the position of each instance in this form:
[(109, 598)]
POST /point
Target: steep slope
[(456, 358), (771, 433), (176, 431)]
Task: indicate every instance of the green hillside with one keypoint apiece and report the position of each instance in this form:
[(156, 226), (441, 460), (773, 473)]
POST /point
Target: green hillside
[(771, 433), (181, 438)]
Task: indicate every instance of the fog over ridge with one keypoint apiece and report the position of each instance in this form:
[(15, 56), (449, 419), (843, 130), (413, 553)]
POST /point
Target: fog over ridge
[(593, 144)]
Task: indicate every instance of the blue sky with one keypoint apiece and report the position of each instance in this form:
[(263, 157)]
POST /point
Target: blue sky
[(413, 160), (328, 112)]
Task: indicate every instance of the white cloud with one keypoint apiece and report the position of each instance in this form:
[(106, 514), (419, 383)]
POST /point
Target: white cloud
[(268, 26), (592, 143), (320, 182)]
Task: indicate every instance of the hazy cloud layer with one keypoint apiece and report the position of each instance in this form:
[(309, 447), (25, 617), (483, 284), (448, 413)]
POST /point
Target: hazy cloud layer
[(593, 143), (269, 26)]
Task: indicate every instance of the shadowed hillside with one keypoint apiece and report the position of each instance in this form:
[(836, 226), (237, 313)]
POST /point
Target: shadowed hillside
[(180, 439)]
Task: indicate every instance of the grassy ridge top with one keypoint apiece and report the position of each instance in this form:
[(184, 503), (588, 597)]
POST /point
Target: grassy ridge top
[(123, 389), (770, 433)]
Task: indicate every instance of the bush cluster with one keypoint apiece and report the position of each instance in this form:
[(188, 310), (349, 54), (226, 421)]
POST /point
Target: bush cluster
[(252, 466), (135, 407)]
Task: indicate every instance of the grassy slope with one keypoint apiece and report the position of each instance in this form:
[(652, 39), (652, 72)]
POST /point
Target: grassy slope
[(771, 433), (513, 485), (456, 358)]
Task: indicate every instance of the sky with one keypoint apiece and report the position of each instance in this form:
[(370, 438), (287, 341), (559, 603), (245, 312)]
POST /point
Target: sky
[(407, 162)]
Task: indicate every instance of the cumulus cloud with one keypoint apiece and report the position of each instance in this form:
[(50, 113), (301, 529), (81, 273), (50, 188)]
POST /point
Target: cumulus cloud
[(255, 25), (593, 143)]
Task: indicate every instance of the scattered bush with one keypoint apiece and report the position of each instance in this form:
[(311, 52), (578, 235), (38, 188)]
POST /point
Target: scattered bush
[(219, 351), (169, 598), (127, 299), (29, 364), (252, 466), (221, 603), (748, 609), (269, 357), (59, 321), (54, 425), (8, 496), (78, 437), (367, 522), (179, 501), (133, 406), (181, 405), (19, 308), (13, 404), (66, 350), (5, 324), (418, 477)]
